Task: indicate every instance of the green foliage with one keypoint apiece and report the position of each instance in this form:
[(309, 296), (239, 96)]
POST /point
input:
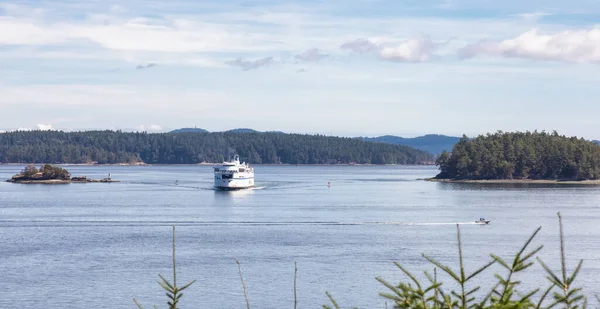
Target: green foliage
[(46, 172), (174, 293), (505, 293), (415, 294), (529, 155), (105, 147), (29, 171), (54, 172)]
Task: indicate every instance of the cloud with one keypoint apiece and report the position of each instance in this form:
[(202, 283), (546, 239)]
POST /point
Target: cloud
[(146, 66), (250, 64), (360, 46), (184, 34), (414, 50), (532, 17), (41, 127), (45, 127), (300, 71), (311, 55), (567, 46), (446, 4), (150, 128)]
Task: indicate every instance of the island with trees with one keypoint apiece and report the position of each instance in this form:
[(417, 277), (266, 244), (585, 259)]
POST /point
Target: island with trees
[(521, 157), (115, 147), (48, 174)]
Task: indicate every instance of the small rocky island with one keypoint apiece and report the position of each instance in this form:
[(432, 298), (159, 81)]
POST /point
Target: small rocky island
[(529, 157), (48, 174)]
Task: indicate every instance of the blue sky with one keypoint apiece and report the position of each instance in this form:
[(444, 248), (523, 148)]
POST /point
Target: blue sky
[(334, 67)]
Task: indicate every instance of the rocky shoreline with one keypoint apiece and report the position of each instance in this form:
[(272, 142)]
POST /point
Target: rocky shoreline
[(49, 174), (61, 181), (517, 181)]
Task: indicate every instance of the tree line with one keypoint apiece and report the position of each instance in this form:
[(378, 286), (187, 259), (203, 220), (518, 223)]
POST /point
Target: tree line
[(529, 155), (108, 147)]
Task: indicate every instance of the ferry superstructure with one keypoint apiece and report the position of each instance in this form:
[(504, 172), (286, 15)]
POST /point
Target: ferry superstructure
[(233, 175)]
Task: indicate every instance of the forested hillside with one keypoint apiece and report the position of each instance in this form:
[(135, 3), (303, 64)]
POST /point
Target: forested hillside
[(105, 147), (529, 155)]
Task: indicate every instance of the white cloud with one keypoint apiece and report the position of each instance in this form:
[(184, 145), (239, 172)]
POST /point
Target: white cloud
[(413, 50), (532, 17), (150, 128), (569, 46), (118, 9), (194, 38), (360, 46), (166, 35), (45, 127), (16, 31), (311, 55)]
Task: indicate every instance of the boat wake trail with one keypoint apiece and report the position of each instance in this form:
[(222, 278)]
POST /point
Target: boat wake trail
[(425, 223), (85, 223), (179, 185)]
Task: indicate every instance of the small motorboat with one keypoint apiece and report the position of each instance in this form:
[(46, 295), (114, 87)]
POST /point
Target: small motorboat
[(482, 221)]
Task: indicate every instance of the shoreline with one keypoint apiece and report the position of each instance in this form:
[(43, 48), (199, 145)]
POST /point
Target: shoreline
[(517, 181), (60, 181), (210, 164)]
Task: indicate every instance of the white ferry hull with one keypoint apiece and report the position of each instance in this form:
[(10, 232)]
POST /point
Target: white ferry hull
[(234, 184), (234, 175)]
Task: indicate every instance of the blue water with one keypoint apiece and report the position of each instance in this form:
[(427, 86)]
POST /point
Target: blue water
[(98, 245)]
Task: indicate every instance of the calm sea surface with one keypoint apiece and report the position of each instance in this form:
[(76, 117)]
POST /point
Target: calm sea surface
[(98, 245)]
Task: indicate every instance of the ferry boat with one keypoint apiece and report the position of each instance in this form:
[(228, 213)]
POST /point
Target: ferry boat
[(233, 175)]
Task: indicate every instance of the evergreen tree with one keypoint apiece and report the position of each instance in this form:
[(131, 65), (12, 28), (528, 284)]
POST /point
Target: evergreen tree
[(529, 155), (105, 147)]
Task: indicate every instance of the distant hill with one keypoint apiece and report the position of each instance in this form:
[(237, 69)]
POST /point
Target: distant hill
[(237, 130), (243, 130), (432, 143), (188, 130), (596, 141)]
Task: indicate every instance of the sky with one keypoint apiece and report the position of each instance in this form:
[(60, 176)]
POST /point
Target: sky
[(347, 68)]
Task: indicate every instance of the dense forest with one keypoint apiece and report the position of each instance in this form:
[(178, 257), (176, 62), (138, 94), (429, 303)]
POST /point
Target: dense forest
[(106, 147), (529, 155)]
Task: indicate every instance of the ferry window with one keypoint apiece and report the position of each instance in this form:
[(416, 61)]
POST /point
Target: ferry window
[(242, 170)]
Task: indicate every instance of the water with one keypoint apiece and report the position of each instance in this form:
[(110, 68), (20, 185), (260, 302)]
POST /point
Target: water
[(98, 245)]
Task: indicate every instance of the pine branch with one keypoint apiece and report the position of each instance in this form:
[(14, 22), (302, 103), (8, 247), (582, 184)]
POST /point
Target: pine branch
[(295, 274)]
